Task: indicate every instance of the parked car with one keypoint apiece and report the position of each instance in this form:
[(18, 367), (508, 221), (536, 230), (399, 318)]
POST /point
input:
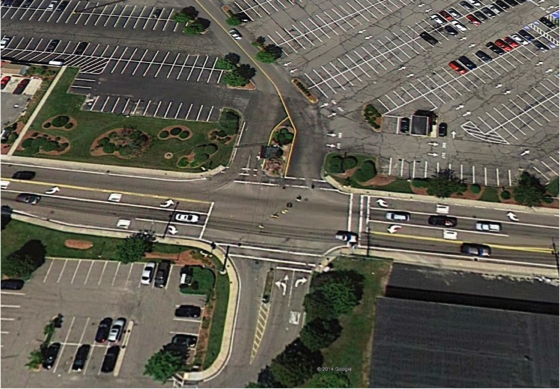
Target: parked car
[(404, 125), (503, 45), (28, 198), (480, 16), (243, 17), (428, 38), (541, 46), (350, 238), (446, 15), (450, 30), (492, 46), (49, 358), (467, 62), (519, 39), (21, 86), (186, 217), (442, 129), (157, 13), (547, 22), (502, 5), (162, 273), (488, 12), (438, 19), (148, 273), (27, 3), (443, 221), (23, 175), (511, 42), (186, 276), (480, 250), (487, 226), (117, 330), (5, 81), (513, 3), (81, 48), (190, 311), (81, 357), (473, 20), (4, 42), (103, 330), (110, 359), (52, 5), (483, 56), (62, 6), (235, 34), (497, 10), (12, 284), (52, 45), (459, 26), (458, 68), (466, 5), (453, 12), (476, 3), (184, 340), (397, 216)]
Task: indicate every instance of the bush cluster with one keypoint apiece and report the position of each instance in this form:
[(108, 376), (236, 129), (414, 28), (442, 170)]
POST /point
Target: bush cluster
[(371, 115), (366, 172), (60, 121), (303, 89), (43, 143), (339, 164), (128, 143), (284, 137), (229, 122)]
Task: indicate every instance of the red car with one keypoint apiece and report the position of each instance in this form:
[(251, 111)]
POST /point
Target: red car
[(21, 86), (446, 15), (503, 45), (473, 20), (458, 68), (511, 42), (5, 81)]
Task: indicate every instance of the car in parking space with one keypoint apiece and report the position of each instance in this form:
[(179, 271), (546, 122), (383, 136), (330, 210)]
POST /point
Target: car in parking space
[(397, 216), (453, 12), (457, 67), (235, 34), (442, 221), (488, 12), (480, 250), (17, 3), (513, 3), (528, 37), (488, 226), (446, 15), (459, 26), (438, 19), (243, 17), (49, 358), (541, 46), (476, 3), (62, 6), (52, 5), (546, 22), (27, 3), (497, 10), (117, 330), (110, 359), (21, 86), (450, 30), (148, 273), (404, 125), (351, 238), (473, 20), (7, 3), (4, 42), (428, 38), (466, 5), (492, 46), (81, 357), (442, 129), (483, 56), (188, 311), (23, 175), (52, 45), (184, 340), (502, 5), (81, 48), (12, 284), (480, 16), (467, 62), (511, 42), (162, 273), (5, 81), (519, 39), (157, 13), (103, 330), (28, 198), (186, 217), (548, 42), (503, 45), (186, 276)]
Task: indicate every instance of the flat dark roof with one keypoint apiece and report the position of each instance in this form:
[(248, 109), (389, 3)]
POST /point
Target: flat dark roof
[(420, 125)]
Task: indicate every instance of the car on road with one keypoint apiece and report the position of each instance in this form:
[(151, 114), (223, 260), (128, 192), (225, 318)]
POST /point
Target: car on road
[(397, 216), (148, 273), (23, 175), (4, 42), (49, 358), (541, 46), (446, 15), (162, 273), (52, 45), (190, 311), (157, 13), (81, 48), (110, 359), (5, 81), (502, 5), (404, 125), (428, 38), (442, 221), (442, 129), (457, 67), (483, 56), (103, 330), (480, 16), (519, 39), (528, 37), (546, 22), (81, 357), (466, 5), (28, 198), (492, 46), (184, 340), (511, 42), (479, 250), (450, 30), (487, 226), (488, 12), (21, 86), (117, 330), (52, 5), (349, 237), (467, 62), (186, 276), (473, 20), (235, 34), (450, 234), (62, 6), (503, 45), (453, 12), (186, 217), (497, 10), (459, 26), (12, 284), (438, 19)]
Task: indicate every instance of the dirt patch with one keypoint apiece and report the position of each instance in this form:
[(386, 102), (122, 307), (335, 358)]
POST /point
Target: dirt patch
[(171, 136), (72, 123), (348, 173), (250, 86), (419, 191), (122, 139), (467, 195), (49, 138), (187, 257), (379, 180), (78, 244)]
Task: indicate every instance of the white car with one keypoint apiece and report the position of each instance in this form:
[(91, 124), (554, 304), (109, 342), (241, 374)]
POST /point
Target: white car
[(52, 5), (398, 216), (450, 234), (438, 19), (235, 34), (148, 273), (453, 12), (518, 39), (495, 9), (4, 42), (187, 217), (459, 26), (476, 3), (488, 226), (117, 330)]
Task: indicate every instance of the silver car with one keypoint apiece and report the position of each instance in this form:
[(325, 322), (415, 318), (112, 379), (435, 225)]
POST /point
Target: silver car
[(398, 216), (148, 273), (488, 226), (187, 217), (117, 330)]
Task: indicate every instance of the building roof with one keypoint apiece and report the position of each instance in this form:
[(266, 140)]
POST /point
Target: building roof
[(420, 125), (11, 68)]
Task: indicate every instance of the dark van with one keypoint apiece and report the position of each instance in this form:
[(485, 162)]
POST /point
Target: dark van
[(162, 273)]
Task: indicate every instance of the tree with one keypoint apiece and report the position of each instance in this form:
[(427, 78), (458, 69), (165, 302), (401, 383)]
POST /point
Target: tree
[(529, 191), (134, 247), (444, 184), (266, 57), (164, 364), (330, 379), (182, 18), (233, 58), (265, 380), (18, 265), (194, 28), (318, 334), (259, 42), (235, 79), (295, 364), (246, 71), (235, 20), (6, 216), (225, 64)]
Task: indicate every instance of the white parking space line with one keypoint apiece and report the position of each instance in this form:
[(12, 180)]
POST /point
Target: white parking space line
[(9, 306), (48, 271), (62, 271), (64, 344), (102, 272)]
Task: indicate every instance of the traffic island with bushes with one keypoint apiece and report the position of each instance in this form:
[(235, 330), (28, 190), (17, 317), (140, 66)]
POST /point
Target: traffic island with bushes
[(372, 116), (281, 141), (304, 91), (237, 76), (194, 25)]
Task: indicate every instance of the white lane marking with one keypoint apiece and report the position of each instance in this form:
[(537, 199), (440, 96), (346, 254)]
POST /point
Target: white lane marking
[(440, 228), (272, 260), (206, 221), (9, 306), (75, 272), (272, 250), (62, 271), (350, 204), (48, 271)]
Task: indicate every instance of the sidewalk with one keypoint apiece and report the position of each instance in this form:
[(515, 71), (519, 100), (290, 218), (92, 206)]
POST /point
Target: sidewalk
[(231, 318), (435, 200)]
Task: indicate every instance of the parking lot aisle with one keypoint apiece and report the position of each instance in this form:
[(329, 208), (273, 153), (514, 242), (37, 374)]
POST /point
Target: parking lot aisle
[(64, 345)]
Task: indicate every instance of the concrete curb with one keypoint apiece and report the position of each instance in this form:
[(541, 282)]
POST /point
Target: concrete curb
[(234, 287)]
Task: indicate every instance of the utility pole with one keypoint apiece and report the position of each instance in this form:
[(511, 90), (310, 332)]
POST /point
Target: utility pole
[(223, 271), (368, 242), (169, 221)]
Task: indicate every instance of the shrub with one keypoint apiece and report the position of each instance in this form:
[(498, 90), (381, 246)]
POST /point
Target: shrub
[(103, 141), (548, 199), (194, 28), (229, 122), (284, 137), (109, 148), (335, 165), (183, 162), (475, 188), (184, 134), (200, 158), (48, 125), (27, 143), (233, 21), (143, 139), (175, 131), (40, 142), (113, 135), (505, 195), (50, 146), (69, 125), (222, 134), (420, 183), (349, 163), (164, 134), (224, 64), (63, 146), (210, 149), (125, 151), (366, 172), (60, 121), (136, 135)]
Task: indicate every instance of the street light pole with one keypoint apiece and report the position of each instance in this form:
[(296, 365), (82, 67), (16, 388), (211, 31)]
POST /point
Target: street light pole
[(169, 221), (223, 271)]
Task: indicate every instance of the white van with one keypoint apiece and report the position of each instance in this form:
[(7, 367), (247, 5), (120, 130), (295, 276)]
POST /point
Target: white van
[(488, 226), (56, 62)]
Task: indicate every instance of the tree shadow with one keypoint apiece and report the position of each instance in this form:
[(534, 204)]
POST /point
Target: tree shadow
[(6, 215), (36, 250), (203, 22)]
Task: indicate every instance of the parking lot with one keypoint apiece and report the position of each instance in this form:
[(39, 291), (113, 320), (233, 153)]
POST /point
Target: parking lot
[(85, 292)]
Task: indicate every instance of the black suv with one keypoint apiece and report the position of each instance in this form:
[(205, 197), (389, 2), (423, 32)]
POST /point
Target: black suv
[(541, 46), (24, 175), (12, 284), (52, 45), (50, 356), (442, 129), (110, 359), (81, 357), (467, 62), (483, 56), (525, 35), (103, 330), (81, 48), (184, 341), (162, 273), (442, 221), (492, 46), (404, 125), (188, 311), (428, 38), (546, 22)]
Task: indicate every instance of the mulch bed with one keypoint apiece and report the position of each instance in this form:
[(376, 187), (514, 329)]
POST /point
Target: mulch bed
[(71, 120), (78, 244)]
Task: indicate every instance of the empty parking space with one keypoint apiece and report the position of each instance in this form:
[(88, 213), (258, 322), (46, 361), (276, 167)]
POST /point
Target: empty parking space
[(89, 273)]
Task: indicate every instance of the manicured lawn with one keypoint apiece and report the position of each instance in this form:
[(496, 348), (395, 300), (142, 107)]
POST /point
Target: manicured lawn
[(91, 125), (552, 187), (490, 194), (353, 348), (203, 282)]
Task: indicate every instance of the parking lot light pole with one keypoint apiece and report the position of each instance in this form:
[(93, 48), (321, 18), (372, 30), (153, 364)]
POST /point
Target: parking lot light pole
[(223, 271)]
